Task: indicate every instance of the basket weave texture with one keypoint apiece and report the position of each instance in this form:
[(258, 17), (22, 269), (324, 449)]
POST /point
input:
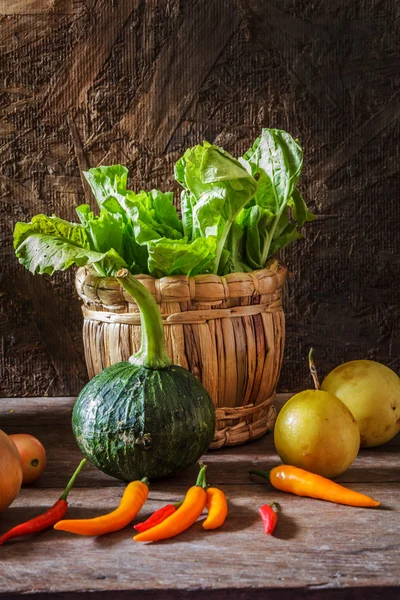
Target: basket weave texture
[(228, 331)]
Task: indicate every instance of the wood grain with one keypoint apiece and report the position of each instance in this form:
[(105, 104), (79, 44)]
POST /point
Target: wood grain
[(319, 550), (50, 420)]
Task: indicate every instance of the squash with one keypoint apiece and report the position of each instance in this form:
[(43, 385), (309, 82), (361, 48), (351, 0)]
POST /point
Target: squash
[(145, 417), (10, 471)]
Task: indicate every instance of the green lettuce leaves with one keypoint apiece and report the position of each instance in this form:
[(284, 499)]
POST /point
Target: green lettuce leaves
[(217, 187), (49, 244), (235, 214), (178, 257), (278, 210)]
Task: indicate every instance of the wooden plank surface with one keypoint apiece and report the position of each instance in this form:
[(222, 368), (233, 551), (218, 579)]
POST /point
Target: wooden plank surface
[(320, 550)]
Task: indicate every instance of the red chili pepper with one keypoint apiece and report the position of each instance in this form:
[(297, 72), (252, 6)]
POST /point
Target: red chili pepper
[(269, 516), (46, 519), (157, 517)]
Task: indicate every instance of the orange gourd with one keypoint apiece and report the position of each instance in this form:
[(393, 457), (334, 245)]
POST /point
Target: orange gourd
[(10, 471)]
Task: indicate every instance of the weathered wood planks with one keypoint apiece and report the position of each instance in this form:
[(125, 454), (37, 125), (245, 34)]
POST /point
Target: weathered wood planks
[(320, 551)]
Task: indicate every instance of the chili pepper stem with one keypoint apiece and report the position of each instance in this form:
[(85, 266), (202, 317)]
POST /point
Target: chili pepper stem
[(313, 369), (260, 473), (71, 482), (201, 478)]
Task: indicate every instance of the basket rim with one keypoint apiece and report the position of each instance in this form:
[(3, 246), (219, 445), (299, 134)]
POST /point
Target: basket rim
[(93, 288)]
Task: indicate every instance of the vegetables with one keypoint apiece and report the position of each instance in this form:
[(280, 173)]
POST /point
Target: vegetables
[(133, 498), (191, 508), (157, 517), (10, 471), (217, 187), (46, 519), (303, 483), (235, 215), (269, 517), (217, 507), (49, 244), (371, 391), (33, 456), (276, 159), (145, 417), (197, 498)]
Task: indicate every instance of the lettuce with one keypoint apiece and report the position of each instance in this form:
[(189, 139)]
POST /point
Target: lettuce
[(108, 183), (49, 244), (111, 230), (43, 224), (104, 231), (278, 209), (178, 257), (217, 188), (153, 215), (235, 214)]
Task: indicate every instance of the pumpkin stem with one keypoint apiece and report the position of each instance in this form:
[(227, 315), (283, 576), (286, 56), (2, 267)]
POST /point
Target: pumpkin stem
[(153, 353)]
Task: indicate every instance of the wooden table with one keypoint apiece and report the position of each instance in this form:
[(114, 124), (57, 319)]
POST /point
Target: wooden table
[(319, 549)]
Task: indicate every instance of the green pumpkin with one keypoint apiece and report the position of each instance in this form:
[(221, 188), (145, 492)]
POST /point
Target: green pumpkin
[(145, 417)]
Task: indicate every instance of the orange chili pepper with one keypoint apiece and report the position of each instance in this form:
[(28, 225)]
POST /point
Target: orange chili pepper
[(217, 508), (303, 483), (133, 498), (189, 511)]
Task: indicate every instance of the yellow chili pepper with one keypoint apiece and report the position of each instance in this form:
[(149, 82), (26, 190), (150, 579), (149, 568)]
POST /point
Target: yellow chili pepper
[(303, 483), (217, 508), (133, 498), (189, 511)]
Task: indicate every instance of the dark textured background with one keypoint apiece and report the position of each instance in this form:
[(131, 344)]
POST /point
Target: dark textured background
[(86, 82)]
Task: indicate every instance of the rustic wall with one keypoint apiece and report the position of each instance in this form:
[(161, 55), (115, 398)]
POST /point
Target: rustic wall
[(86, 82)]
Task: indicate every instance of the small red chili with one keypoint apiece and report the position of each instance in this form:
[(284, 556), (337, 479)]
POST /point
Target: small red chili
[(269, 516), (157, 517), (46, 519)]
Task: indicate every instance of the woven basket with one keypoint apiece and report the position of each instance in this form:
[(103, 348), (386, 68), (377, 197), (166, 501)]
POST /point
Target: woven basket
[(228, 331)]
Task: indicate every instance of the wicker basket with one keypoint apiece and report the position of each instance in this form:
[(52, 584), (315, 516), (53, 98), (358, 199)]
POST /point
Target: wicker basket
[(228, 331)]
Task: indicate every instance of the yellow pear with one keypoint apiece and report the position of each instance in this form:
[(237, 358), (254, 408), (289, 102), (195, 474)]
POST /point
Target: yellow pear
[(372, 393), (317, 432)]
